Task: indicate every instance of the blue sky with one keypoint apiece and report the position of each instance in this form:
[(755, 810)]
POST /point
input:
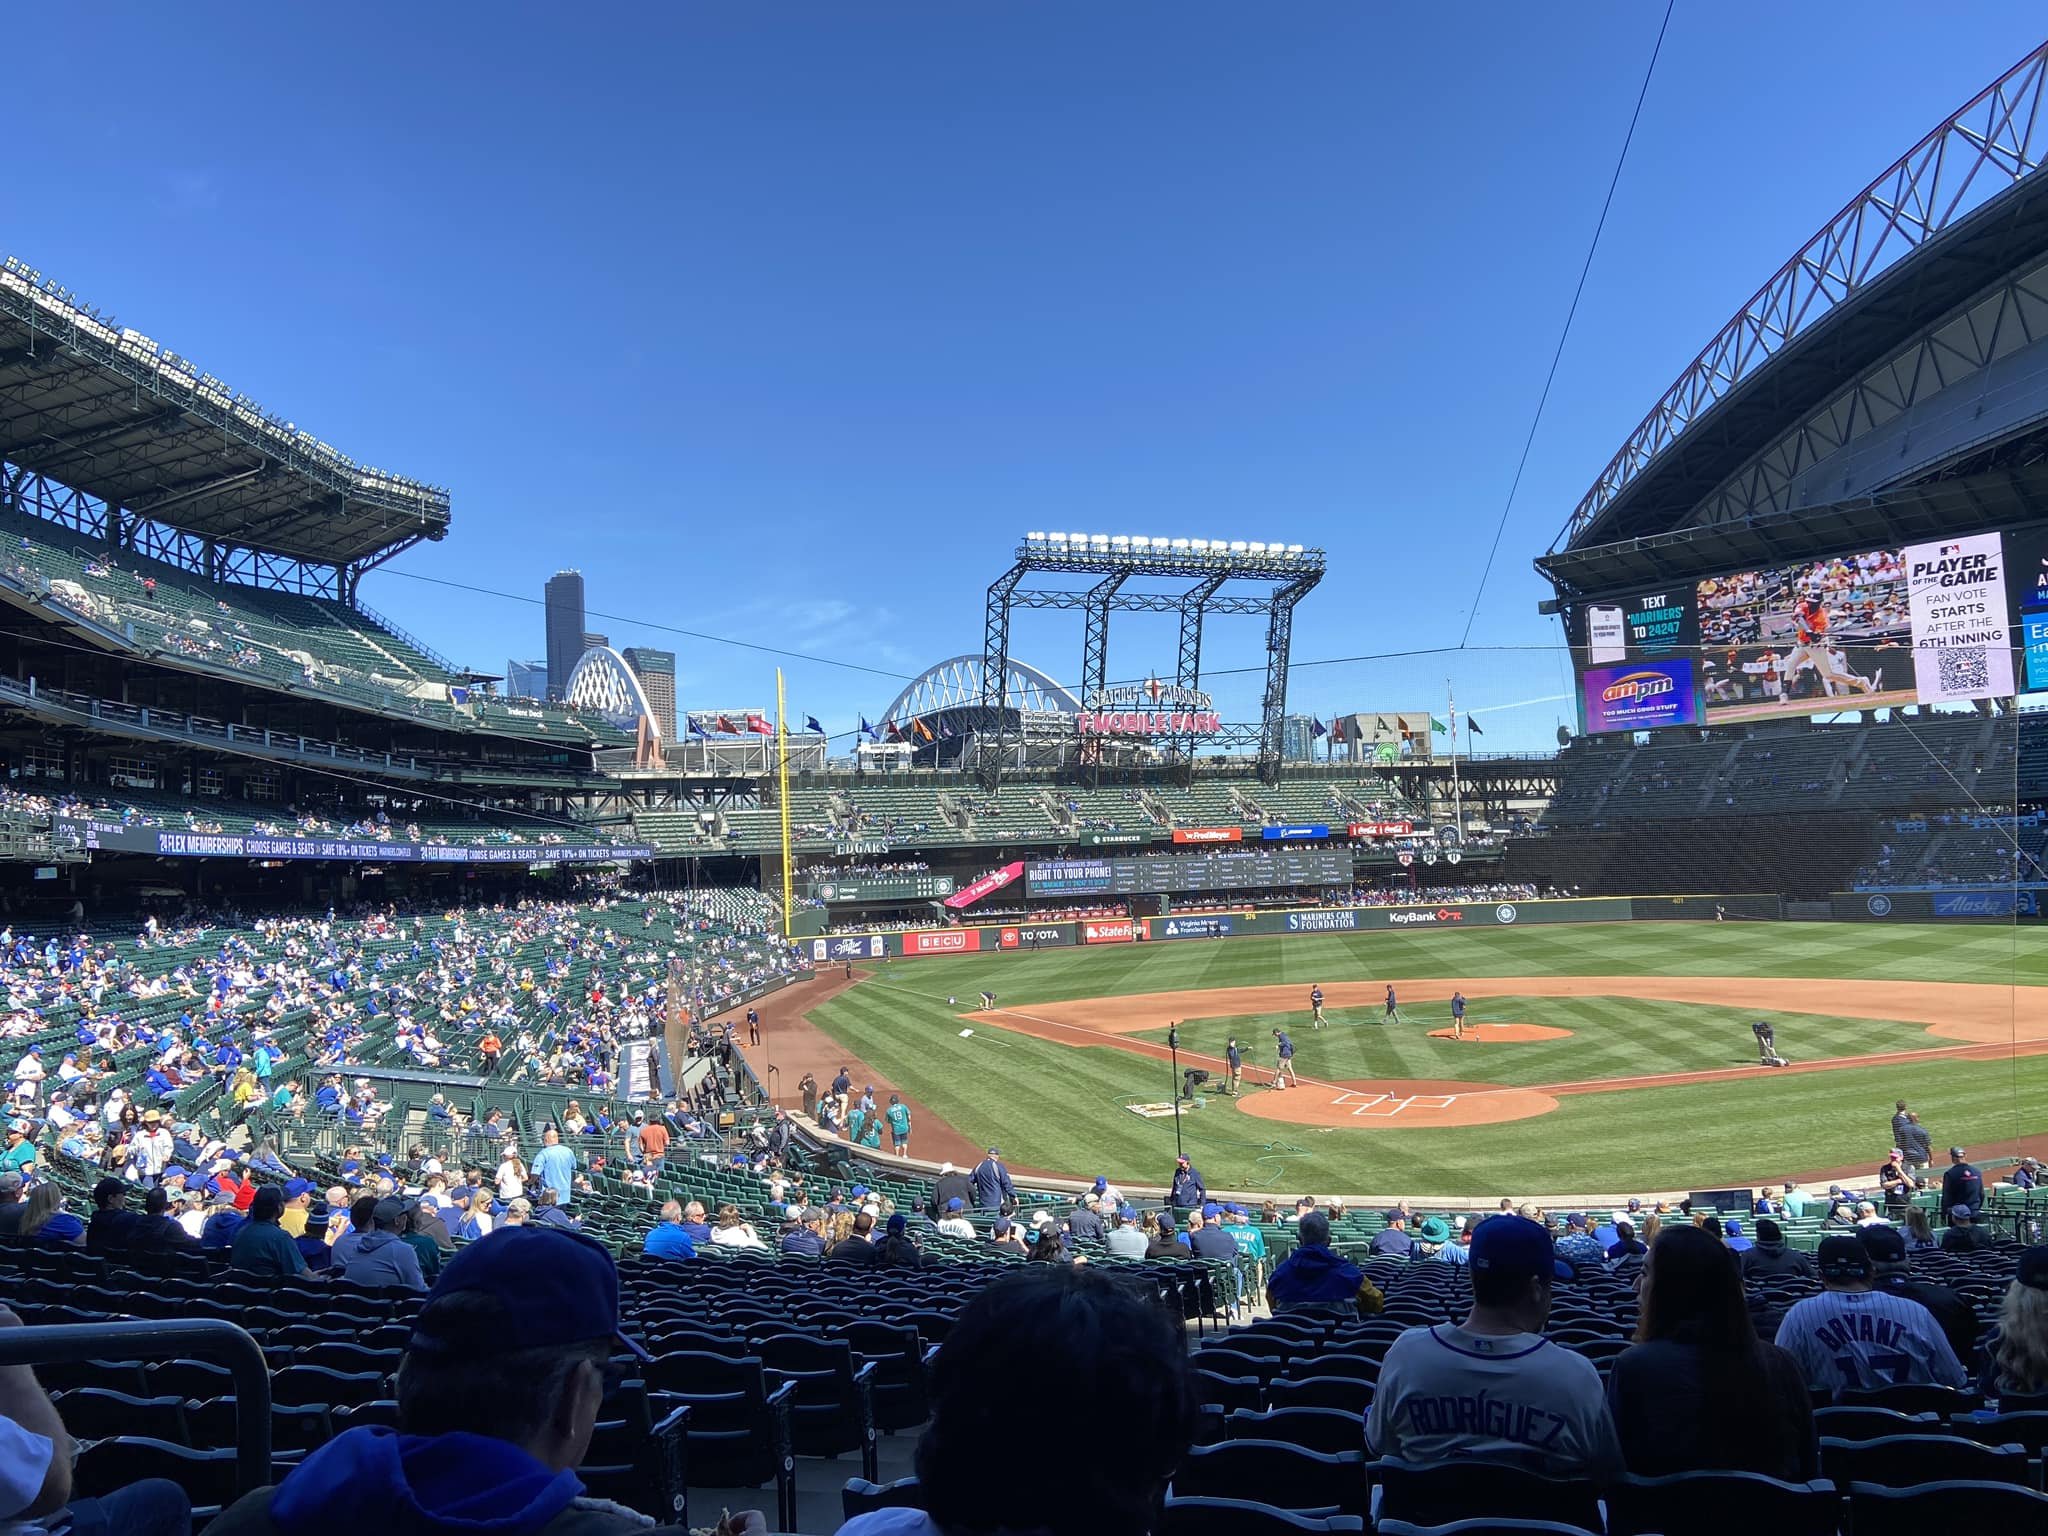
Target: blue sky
[(783, 321)]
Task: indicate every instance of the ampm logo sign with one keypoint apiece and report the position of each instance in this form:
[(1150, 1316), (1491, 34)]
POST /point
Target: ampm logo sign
[(1640, 698), (1636, 686)]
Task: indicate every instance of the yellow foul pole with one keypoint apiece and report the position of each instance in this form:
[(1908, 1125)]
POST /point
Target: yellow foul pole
[(782, 791)]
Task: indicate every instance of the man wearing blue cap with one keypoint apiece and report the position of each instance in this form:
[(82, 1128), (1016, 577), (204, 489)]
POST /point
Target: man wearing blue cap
[(1495, 1387), (503, 1377)]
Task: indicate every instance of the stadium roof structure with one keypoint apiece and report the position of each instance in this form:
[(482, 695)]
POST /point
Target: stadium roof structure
[(1945, 222), (106, 411)]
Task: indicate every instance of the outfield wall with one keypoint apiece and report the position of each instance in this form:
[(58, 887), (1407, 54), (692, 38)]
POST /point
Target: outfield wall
[(1026, 937), (1961, 904)]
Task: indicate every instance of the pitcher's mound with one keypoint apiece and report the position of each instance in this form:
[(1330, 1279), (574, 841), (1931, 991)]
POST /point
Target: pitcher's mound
[(1503, 1034)]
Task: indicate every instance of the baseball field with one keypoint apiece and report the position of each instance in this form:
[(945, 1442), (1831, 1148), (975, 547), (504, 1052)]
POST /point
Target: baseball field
[(1600, 1058)]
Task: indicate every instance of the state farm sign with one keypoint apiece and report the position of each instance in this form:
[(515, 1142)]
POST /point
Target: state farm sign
[(1208, 834), (942, 941), (1118, 931)]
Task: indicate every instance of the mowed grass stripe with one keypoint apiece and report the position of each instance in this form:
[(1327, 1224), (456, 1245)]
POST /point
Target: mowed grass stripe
[(1850, 950)]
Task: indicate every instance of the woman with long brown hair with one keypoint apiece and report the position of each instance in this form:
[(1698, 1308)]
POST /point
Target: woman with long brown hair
[(1699, 1391)]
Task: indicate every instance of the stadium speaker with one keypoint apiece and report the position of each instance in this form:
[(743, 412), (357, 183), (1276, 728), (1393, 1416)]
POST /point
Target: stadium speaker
[(1564, 736)]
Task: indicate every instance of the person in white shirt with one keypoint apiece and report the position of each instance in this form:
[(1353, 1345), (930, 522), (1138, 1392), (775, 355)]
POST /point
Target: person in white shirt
[(1495, 1387), (1866, 1215), (28, 1076), (954, 1222), (152, 1152), (1853, 1336), (193, 1217)]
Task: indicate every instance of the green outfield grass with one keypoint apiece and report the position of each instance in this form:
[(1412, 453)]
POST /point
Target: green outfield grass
[(1611, 1037), (1055, 1107)]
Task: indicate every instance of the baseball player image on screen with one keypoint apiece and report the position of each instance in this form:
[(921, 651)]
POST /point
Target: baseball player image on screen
[(1814, 649)]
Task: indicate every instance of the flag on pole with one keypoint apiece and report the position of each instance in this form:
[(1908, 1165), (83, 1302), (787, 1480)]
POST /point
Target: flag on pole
[(1317, 729), (1437, 727), (1336, 727), (726, 727), (1472, 725), (759, 726), (697, 727), (811, 725), (1379, 725), (872, 732), (924, 731)]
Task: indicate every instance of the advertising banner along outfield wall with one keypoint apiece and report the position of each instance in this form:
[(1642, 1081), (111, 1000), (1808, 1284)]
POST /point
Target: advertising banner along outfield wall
[(1476, 915), (1990, 904)]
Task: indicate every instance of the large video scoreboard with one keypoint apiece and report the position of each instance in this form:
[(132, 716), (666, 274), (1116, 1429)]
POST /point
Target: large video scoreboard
[(1930, 623), (1186, 874)]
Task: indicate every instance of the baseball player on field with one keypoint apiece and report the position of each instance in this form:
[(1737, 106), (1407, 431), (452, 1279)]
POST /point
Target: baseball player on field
[(1457, 1015), (1315, 1006), (1393, 1014)]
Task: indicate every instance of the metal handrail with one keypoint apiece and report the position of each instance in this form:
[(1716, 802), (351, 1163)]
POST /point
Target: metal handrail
[(202, 1337)]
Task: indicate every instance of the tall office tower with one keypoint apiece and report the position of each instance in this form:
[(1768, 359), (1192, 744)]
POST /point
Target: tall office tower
[(565, 628)]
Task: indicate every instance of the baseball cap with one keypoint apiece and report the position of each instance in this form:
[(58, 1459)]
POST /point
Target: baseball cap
[(296, 1187), (1166, 1221), (1002, 1225), (10, 1182), (1885, 1245), (557, 1288), (1575, 1219), (391, 1210), (1842, 1258), (1516, 1245), (1211, 1211), (1100, 1183), (898, 1224), (2033, 1269), (995, 1151), (1127, 1213), (956, 1204), (1393, 1216), (1959, 1210), (1956, 1152), (1734, 1226)]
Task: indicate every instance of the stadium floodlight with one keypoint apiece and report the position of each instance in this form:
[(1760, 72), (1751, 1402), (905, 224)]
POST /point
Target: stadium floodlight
[(1098, 541), (1255, 548), (1199, 546), (1034, 538), (1118, 541), (1162, 543), (1180, 545), (1078, 538), (1237, 546), (1294, 549)]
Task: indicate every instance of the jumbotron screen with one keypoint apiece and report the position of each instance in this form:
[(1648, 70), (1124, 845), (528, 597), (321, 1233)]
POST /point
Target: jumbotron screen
[(1237, 870), (1923, 624)]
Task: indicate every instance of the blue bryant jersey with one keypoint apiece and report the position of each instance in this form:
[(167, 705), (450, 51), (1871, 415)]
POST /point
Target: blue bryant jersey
[(1853, 1339)]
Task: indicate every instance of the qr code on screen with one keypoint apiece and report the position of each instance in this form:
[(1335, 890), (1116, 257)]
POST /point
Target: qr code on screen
[(1963, 673)]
